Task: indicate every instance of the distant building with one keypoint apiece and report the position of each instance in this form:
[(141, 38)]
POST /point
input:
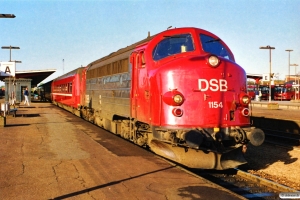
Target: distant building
[(15, 86)]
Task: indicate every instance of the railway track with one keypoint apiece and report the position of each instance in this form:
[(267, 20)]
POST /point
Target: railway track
[(244, 184), (282, 138)]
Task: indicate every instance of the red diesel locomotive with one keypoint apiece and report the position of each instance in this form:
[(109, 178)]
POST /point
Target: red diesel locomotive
[(178, 92)]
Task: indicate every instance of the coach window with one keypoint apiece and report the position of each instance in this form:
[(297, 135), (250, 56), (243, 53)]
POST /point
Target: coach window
[(70, 87), (173, 45)]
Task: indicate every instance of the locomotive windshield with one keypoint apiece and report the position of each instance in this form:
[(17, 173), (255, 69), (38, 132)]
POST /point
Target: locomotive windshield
[(214, 46), (173, 45)]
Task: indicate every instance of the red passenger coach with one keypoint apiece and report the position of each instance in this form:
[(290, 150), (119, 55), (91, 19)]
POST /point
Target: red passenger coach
[(251, 90), (284, 92), (179, 92), (68, 90)]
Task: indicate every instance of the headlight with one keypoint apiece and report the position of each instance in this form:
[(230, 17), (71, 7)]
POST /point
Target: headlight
[(245, 99), (213, 61), (178, 99), (173, 98)]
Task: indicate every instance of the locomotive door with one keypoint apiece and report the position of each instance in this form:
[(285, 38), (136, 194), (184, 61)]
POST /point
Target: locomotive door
[(133, 103), (140, 105)]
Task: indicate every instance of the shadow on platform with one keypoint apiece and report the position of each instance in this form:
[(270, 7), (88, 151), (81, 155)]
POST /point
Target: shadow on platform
[(287, 126)]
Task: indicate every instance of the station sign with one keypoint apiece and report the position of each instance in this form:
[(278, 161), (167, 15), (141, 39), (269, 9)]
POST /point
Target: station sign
[(8, 68), (266, 77)]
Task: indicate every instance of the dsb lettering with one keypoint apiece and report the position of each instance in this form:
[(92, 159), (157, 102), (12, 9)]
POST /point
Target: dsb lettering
[(213, 85)]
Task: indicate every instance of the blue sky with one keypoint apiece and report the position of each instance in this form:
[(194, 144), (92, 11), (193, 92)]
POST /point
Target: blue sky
[(81, 31)]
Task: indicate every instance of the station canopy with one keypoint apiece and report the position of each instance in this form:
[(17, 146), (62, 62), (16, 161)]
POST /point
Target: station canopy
[(256, 77), (36, 76)]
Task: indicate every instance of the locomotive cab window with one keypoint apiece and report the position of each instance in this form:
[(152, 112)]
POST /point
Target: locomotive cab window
[(140, 60), (214, 46), (143, 61), (173, 45)]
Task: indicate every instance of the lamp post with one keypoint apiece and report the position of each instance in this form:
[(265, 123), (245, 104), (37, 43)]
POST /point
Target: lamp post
[(63, 60), (289, 50), (12, 92), (7, 16), (295, 65), (10, 48), (12, 95), (270, 48)]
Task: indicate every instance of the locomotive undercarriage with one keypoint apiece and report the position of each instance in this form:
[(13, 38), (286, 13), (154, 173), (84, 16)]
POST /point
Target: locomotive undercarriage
[(205, 148), (132, 130), (196, 148)]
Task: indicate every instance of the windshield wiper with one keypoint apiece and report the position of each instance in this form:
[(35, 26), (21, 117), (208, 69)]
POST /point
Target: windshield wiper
[(214, 40), (174, 36)]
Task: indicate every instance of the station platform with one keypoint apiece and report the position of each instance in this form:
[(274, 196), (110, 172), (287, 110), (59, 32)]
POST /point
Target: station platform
[(49, 153), (293, 104), (283, 116)]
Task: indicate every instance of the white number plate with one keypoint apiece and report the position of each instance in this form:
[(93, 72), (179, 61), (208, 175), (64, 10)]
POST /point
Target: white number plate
[(215, 104)]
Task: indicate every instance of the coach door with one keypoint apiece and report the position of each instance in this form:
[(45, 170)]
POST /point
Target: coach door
[(140, 102)]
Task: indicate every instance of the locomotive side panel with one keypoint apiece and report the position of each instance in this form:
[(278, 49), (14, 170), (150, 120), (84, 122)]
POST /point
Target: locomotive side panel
[(108, 90), (113, 95)]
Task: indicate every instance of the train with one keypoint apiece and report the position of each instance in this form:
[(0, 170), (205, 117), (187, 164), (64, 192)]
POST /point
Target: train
[(179, 93), (284, 92), (279, 92), (251, 91)]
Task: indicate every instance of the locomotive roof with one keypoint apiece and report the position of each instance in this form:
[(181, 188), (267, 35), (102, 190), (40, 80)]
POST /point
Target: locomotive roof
[(127, 50), (120, 51)]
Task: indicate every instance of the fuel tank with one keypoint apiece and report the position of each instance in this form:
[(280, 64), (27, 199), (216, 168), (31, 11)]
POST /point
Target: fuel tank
[(203, 159)]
